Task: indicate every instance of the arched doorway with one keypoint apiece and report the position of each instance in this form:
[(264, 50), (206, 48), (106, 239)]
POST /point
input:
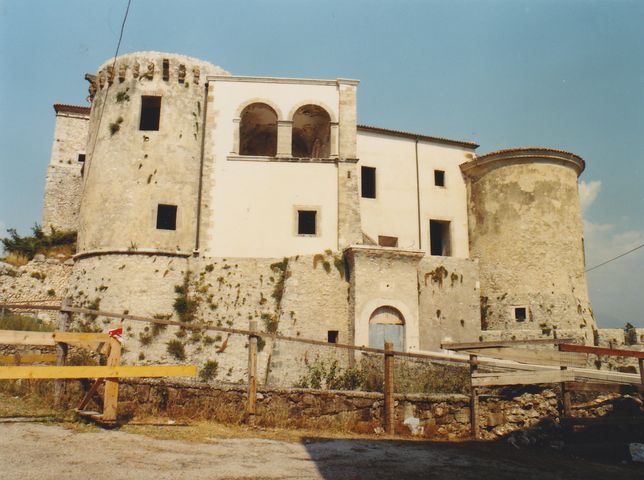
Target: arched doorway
[(386, 324)]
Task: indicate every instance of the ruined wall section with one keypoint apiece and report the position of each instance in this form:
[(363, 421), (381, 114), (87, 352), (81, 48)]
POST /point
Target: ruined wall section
[(448, 299), (63, 184), (131, 170), (526, 230)]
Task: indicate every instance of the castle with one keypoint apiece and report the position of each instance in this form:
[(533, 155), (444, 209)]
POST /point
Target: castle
[(262, 198)]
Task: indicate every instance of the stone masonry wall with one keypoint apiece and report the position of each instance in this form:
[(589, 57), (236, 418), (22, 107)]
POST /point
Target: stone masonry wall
[(525, 229), (438, 416), (448, 297), (64, 182)]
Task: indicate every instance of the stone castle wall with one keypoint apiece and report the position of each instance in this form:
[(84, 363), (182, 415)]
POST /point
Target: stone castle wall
[(64, 182), (526, 231), (131, 171)]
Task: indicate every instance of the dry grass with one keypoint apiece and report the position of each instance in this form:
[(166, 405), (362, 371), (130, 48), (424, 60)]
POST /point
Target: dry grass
[(16, 259)]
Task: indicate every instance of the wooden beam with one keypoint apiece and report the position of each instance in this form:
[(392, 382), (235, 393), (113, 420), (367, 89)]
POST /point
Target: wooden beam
[(28, 358), (603, 387), (390, 414), (81, 338), (532, 356), (19, 337), (504, 343), (90, 394), (111, 393), (123, 371), (612, 352), (521, 378)]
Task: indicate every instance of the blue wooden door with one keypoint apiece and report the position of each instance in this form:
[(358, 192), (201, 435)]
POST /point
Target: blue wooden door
[(379, 333)]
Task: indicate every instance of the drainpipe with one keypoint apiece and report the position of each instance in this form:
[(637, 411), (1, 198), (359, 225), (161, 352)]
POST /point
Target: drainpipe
[(201, 160), (420, 245)]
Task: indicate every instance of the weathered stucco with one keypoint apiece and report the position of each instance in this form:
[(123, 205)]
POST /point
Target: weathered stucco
[(526, 231)]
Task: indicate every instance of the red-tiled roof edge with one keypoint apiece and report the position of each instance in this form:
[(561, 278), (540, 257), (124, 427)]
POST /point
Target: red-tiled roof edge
[(64, 108), (418, 136)]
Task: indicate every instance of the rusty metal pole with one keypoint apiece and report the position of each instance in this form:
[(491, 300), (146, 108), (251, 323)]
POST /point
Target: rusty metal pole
[(64, 320), (389, 390), (252, 373)]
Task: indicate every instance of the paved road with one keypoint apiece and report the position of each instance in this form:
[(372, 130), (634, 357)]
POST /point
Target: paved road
[(41, 452)]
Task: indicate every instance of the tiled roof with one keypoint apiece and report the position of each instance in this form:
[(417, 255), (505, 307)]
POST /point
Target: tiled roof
[(63, 108), (417, 136)]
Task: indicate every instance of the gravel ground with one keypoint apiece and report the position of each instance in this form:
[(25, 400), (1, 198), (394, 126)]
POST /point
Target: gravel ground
[(36, 451)]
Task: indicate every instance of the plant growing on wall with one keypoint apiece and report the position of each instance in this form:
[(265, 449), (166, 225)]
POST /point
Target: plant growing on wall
[(630, 334), (176, 349), (39, 242), (184, 305)]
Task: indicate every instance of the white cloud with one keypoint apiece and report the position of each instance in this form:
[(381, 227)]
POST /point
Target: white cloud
[(615, 288), (588, 192)]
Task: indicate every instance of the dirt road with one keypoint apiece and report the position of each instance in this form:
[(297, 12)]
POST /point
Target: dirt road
[(42, 452)]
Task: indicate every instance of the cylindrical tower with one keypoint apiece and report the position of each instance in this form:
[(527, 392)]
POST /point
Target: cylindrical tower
[(143, 154), (526, 230)]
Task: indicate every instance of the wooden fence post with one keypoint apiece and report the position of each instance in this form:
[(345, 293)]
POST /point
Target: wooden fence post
[(252, 373), (566, 406), (474, 399), (641, 362), (111, 394), (389, 390), (64, 320)]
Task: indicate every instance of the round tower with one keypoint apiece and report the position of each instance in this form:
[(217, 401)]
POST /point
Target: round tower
[(142, 172), (526, 230)]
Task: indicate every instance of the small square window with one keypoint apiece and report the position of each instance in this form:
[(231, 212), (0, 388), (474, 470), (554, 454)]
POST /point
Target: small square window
[(81, 157), (306, 222), (368, 175), (150, 113), (439, 178), (332, 336), (166, 217), (520, 314), (385, 241)]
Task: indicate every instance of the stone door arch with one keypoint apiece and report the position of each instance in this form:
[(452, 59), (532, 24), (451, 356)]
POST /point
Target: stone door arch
[(387, 324)]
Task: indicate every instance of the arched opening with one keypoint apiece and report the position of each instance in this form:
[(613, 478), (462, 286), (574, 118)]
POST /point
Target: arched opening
[(311, 132), (258, 131), (387, 324)]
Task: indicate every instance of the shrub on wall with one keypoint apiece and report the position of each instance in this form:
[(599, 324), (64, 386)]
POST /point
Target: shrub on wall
[(63, 241)]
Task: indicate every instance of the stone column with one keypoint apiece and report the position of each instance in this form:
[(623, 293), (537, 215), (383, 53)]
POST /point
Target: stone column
[(349, 223), (284, 138), (334, 140), (236, 124)]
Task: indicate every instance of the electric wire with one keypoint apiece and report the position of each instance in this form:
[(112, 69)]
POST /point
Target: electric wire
[(109, 84), (615, 258)]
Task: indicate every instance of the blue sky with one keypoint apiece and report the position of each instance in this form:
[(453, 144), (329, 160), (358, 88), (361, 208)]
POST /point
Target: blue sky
[(562, 74)]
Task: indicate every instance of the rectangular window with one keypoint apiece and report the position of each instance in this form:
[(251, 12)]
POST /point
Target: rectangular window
[(166, 69), (368, 182), (306, 222), (439, 238), (385, 241), (332, 336), (439, 178), (150, 113), (166, 217), (520, 314), (81, 157)]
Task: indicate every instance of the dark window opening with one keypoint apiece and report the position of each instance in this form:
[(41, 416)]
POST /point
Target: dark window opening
[(258, 131), (150, 113), (166, 217), (306, 222), (520, 314), (166, 69), (439, 178), (439, 238), (385, 241), (81, 157), (332, 336), (368, 182), (311, 132)]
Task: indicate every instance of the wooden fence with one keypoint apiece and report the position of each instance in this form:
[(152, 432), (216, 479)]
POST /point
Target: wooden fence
[(506, 364)]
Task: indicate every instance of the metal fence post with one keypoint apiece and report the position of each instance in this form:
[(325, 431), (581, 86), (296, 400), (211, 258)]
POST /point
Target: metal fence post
[(389, 389)]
